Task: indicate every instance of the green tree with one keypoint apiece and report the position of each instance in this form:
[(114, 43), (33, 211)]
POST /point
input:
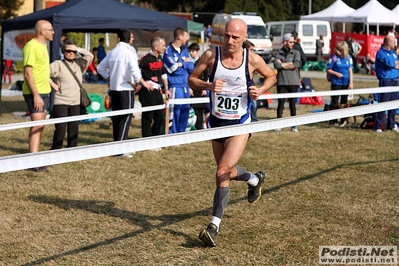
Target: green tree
[(9, 8), (177, 6)]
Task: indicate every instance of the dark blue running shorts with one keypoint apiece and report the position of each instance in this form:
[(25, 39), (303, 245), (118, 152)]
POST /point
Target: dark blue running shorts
[(29, 101)]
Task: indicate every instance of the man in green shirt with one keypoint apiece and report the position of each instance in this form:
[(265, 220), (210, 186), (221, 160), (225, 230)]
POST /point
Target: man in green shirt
[(36, 87)]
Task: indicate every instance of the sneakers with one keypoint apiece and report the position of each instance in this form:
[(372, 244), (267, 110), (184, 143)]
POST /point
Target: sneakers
[(395, 129), (344, 123), (208, 235), (378, 131), (294, 129), (125, 155), (277, 129), (254, 192), (39, 169)]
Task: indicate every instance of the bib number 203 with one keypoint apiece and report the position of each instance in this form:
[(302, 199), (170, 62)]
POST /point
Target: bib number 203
[(228, 103)]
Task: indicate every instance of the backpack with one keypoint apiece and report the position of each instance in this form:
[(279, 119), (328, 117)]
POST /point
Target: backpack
[(306, 84), (368, 122)]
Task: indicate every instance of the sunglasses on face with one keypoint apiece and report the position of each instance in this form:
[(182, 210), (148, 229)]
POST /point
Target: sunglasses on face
[(70, 51)]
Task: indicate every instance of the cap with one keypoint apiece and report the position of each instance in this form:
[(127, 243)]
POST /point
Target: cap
[(287, 37)]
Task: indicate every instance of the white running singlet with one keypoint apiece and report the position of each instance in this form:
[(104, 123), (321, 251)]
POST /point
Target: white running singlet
[(232, 103)]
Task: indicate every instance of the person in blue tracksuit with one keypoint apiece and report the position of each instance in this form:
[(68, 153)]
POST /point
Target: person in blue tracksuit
[(179, 65), (339, 66), (387, 71)]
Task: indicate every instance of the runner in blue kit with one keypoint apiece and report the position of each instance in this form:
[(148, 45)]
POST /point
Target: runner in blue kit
[(232, 68)]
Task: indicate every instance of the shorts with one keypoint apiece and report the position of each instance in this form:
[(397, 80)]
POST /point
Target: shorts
[(217, 122), (29, 101)]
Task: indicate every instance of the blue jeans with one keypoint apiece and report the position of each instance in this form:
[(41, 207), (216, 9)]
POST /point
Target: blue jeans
[(254, 109)]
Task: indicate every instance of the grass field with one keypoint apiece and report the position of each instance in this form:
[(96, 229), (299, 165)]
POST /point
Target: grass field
[(326, 186)]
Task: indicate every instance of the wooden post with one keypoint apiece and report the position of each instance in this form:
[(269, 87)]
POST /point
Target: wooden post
[(167, 119)]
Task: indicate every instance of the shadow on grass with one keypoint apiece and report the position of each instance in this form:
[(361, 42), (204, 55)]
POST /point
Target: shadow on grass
[(23, 141), (144, 221), (107, 208), (14, 150)]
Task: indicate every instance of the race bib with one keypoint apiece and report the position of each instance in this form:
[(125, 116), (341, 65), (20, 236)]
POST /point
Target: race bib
[(227, 105)]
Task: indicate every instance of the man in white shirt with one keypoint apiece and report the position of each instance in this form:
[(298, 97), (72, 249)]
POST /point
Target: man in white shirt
[(121, 70)]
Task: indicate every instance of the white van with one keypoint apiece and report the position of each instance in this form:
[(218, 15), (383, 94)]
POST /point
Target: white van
[(308, 32), (256, 32)]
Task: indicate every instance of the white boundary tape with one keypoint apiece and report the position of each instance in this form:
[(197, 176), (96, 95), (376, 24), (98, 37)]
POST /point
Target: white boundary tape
[(191, 101), (30, 160)]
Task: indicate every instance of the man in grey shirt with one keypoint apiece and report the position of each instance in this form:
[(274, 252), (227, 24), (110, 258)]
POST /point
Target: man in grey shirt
[(288, 62)]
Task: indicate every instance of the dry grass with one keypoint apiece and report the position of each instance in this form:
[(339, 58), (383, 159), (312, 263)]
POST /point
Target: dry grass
[(326, 186)]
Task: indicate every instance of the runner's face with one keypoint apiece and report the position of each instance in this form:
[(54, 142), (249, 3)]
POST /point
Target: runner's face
[(234, 36)]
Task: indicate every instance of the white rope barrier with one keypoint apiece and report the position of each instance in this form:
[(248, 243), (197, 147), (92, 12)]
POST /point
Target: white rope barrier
[(190, 101), (52, 157)]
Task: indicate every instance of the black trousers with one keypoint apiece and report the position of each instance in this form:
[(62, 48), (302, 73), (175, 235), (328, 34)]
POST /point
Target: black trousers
[(151, 122), (73, 127), (337, 101), (121, 100), (292, 101)]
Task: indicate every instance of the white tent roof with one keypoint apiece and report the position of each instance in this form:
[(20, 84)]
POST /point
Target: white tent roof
[(396, 10), (371, 13), (337, 9)]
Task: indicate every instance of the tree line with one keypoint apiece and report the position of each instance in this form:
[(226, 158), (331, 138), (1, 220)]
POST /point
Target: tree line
[(269, 10)]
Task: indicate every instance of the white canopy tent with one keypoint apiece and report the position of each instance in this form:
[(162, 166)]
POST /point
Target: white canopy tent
[(372, 13), (333, 13), (396, 10)]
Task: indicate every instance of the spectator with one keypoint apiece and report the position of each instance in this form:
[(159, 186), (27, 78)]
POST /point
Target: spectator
[(208, 33), (356, 49), (67, 92), (319, 48), (36, 87), (121, 70), (368, 64), (348, 41), (101, 50), (392, 32), (201, 110), (233, 69), (297, 46), (254, 108), (287, 61), (179, 65), (387, 71), (131, 43), (64, 37), (339, 66), (153, 72), (8, 70), (91, 73)]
